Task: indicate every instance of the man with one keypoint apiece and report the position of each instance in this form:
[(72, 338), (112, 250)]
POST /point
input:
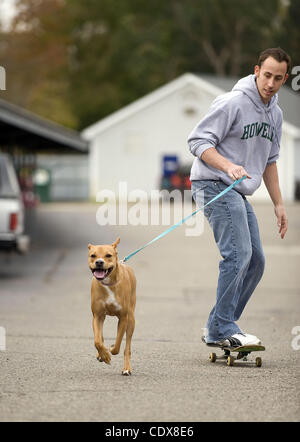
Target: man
[(239, 136)]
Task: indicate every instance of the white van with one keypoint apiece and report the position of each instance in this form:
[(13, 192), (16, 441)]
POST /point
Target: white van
[(11, 209)]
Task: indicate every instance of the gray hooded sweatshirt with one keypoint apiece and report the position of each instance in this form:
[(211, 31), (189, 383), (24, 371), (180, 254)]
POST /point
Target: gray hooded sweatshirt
[(242, 129)]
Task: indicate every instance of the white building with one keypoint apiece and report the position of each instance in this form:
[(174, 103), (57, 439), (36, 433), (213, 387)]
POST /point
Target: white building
[(129, 144)]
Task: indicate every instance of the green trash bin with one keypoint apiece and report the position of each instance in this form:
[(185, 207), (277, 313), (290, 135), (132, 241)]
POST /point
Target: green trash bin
[(42, 184)]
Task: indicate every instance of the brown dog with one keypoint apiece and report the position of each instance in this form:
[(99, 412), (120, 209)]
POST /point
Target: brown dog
[(113, 293)]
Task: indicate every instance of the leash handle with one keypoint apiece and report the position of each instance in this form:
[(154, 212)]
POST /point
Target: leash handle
[(165, 232)]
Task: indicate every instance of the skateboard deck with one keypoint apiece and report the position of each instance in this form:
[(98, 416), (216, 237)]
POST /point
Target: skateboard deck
[(243, 352)]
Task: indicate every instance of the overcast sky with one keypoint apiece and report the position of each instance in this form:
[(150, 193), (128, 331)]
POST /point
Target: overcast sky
[(7, 10)]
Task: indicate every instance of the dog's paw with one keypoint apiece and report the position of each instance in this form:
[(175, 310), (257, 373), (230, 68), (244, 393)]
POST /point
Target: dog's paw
[(126, 372), (104, 357), (113, 350)]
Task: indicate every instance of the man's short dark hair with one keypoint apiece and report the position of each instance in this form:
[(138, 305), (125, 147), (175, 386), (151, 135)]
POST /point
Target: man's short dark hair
[(277, 53)]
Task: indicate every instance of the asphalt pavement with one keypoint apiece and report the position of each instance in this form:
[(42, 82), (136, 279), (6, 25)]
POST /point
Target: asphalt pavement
[(49, 370)]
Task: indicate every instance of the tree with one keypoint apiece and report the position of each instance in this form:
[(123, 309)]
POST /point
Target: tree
[(289, 32), (34, 53), (227, 34), (77, 61)]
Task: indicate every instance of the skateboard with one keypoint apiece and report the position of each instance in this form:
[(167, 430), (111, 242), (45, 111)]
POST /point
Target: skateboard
[(242, 354)]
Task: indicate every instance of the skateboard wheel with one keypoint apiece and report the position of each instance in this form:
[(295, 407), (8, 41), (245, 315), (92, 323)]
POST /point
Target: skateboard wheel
[(212, 357), (258, 362), (230, 361)]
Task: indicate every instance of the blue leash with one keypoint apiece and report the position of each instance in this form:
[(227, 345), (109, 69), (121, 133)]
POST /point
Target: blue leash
[(183, 220)]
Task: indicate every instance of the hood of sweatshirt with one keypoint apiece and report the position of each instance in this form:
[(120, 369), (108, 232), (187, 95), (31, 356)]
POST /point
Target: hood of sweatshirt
[(248, 86), (243, 129)]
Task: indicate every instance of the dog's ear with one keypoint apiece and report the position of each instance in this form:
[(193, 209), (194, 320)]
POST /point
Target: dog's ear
[(90, 246), (116, 243)]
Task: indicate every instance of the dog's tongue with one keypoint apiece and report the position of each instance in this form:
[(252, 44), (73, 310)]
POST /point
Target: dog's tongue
[(99, 274)]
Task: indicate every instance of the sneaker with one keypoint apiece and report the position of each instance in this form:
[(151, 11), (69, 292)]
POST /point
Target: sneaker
[(240, 339), (205, 334), (222, 343), (236, 340), (255, 339)]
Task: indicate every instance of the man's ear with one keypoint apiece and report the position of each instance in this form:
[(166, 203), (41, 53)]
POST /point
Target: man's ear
[(256, 70), (116, 243), (285, 78)]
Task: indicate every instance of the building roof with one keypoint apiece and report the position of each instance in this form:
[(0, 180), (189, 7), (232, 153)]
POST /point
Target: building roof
[(289, 102), (21, 127), (153, 97)]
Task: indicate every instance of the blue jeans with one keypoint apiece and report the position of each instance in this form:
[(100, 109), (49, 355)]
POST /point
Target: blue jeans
[(236, 233)]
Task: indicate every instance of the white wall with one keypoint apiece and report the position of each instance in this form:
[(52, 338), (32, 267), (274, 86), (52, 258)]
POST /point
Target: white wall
[(297, 161), (132, 150), (69, 175), (285, 165)]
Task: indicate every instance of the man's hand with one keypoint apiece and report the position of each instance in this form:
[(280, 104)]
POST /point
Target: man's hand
[(272, 184), (282, 220), (214, 159), (236, 172)]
